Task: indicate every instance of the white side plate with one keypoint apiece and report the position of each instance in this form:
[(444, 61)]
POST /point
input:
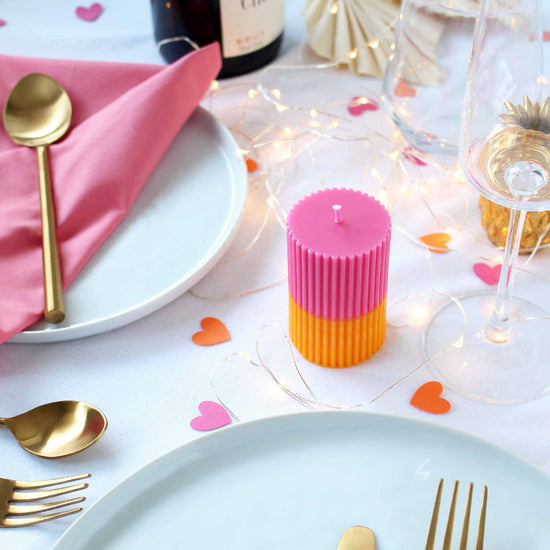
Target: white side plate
[(180, 225), (300, 481)]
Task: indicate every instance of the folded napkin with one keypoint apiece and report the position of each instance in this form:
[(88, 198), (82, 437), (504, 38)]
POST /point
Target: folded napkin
[(124, 118)]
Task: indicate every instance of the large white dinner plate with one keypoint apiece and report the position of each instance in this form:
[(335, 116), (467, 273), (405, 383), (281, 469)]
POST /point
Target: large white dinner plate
[(180, 225), (299, 481)]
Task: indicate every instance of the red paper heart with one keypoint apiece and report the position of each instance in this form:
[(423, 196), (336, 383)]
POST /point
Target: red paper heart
[(426, 398), (359, 104), (436, 242), (402, 89), (89, 14), (214, 332), (212, 417), (489, 275), (251, 165)]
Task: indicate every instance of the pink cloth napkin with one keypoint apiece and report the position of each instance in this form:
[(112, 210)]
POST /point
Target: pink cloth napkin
[(124, 118)]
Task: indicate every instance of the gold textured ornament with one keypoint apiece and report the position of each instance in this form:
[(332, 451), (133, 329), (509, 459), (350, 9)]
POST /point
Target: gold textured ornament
[(495, 218)]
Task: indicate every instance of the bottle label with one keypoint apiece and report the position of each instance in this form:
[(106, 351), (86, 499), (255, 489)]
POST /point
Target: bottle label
[(249, 25)]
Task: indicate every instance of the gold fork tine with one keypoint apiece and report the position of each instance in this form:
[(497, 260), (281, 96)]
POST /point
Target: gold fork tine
[(22, 522), (47, 482), (481, 528), (37, 508), (466, 523), (430, 543), (450, 521), (38, 495), (435, 515)]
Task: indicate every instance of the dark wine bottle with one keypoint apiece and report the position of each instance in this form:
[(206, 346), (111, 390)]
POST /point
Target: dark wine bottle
[(250, 32)]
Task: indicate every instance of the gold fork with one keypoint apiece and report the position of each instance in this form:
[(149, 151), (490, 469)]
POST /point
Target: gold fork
[(450, 521), (13, 493)]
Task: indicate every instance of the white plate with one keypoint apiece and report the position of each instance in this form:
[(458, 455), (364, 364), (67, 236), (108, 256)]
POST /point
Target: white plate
[(299, 481), (180, 225)]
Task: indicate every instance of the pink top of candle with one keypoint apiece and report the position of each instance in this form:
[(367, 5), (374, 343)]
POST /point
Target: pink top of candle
[(338, 257), (364, 223)]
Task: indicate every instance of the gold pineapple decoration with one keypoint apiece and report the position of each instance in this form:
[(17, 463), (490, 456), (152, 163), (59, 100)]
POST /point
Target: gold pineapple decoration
[(529, 116), (528, 119), (494, 219)]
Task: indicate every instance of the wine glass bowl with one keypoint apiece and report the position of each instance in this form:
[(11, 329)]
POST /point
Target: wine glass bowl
[(501, 354), (514, 163)]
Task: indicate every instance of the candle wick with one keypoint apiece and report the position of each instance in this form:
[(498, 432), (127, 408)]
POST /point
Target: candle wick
[(337, 213)]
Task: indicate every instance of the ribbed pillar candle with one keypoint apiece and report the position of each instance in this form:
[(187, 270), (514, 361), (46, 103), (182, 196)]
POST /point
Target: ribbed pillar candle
[(338, 252)]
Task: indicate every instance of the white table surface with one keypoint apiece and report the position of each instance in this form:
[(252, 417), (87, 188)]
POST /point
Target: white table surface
[(149, 377)]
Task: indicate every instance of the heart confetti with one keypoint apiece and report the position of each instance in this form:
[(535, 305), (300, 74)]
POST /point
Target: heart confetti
[(545, 36), (489, 275), (213, 332), (426, 398), (402, 89), (251, 165), (410, 154), (2, 22), (359, 104), (436, 242), (89, 14), (212, 417)]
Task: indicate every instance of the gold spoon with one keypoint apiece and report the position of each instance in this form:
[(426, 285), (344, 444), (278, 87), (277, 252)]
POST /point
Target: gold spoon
[(357, 538), (37, 113), (57, 429)]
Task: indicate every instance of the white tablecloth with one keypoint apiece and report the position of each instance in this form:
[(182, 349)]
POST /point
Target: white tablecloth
[(149, 377)]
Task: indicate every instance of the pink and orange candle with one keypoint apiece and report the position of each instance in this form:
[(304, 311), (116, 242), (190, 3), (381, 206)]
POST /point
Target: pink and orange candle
[(338, 253)]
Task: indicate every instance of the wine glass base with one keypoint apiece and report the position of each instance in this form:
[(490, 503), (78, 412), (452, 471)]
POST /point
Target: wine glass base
[(466, 361)]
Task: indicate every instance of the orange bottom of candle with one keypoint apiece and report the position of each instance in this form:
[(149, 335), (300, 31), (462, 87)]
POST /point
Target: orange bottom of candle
[(337, 343)]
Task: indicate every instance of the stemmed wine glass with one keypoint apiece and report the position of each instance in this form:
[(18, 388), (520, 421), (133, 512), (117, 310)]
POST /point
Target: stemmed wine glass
[(503, 354)]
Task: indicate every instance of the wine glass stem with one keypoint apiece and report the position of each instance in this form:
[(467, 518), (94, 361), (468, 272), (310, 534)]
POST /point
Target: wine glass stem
[(498, 330)]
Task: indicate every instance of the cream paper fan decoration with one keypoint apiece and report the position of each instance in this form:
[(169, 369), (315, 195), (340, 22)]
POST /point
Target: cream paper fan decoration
[(360, 33), (356, 32)]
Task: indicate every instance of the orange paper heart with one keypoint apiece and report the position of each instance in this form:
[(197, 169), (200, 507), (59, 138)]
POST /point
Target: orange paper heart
[(402, 89), (213, 332), (436, 242), (426, 398), (251, 165)]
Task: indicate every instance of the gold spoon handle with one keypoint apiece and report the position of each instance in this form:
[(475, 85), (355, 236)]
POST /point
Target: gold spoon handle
[(54, 311)]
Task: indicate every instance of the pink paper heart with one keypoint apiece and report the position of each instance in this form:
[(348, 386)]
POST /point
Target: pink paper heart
[(359, 104), (2, 22), (410, 155), (489, 275), (545, 36), (89, 14), (213, 416)]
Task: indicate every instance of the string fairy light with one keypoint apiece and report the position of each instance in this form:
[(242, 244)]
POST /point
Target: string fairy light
[(309, 400), (278, 143)]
